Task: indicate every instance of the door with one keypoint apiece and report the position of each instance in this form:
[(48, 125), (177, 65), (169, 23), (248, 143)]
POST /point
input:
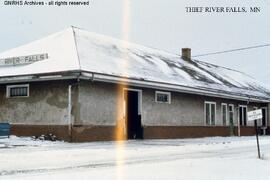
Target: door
[(133, 117), (264, 117)]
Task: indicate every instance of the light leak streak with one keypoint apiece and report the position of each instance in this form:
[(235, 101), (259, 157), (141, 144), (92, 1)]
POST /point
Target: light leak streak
[(121, 129)]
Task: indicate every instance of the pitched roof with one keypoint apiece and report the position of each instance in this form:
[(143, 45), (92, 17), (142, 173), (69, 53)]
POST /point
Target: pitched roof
[(75, 49)]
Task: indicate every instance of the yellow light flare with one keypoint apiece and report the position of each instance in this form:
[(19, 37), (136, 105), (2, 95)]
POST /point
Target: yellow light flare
[(121, 129), (126, 19), (120, 132)]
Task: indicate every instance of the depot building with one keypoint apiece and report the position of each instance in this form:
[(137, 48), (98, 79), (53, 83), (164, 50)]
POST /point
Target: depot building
[(82, 86)]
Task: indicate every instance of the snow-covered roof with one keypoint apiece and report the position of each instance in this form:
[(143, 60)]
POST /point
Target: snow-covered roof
[(75, 49)]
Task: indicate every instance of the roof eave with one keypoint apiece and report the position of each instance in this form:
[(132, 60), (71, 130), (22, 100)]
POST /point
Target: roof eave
[(166, 86), (63, 75), (76, 74)]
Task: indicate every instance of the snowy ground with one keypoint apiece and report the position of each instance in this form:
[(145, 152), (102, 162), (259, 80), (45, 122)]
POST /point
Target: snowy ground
[(203, 158)]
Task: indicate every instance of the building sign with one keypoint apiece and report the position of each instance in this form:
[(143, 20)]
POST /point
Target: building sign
[(22, 60), (254, 115)]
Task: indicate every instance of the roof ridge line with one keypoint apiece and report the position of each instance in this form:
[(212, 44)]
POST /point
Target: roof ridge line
[(126, 41), (76, 47)]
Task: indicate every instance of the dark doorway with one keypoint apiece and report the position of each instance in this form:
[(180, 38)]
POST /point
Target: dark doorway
[(243, 115), (264, 117), (134, 125)]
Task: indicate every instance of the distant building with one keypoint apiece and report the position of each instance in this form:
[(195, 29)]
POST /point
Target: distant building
[(77, 85)]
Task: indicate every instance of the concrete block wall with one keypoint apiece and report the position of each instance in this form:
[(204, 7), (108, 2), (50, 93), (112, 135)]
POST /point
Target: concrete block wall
[(98, 107), (46, 105), (98, 103), (94, 112)]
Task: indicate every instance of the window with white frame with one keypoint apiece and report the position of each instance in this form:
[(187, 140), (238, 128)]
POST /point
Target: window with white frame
[(242, 115), (231, 114), (210, 113), (20, 90), (224, 113), (163, 97)]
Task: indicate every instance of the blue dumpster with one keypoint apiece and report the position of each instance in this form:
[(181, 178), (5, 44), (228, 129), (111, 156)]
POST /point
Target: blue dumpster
[(4, 129)]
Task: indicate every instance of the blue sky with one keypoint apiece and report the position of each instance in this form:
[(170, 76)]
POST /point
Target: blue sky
[(156, 23)]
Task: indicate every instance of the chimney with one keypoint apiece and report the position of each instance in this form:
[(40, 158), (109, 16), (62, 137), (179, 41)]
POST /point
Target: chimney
[(186, 54)]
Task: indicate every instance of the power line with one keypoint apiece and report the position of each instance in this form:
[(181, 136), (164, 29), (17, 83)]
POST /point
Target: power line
[(232, 50)]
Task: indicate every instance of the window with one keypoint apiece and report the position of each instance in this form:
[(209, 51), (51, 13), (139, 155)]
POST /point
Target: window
[(210, 113), (224, 114), (262, 122), (18, 90), (231, 114), (242, 115), (163, 97)]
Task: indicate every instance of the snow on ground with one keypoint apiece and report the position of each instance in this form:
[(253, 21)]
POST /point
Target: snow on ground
[(202, 158)]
